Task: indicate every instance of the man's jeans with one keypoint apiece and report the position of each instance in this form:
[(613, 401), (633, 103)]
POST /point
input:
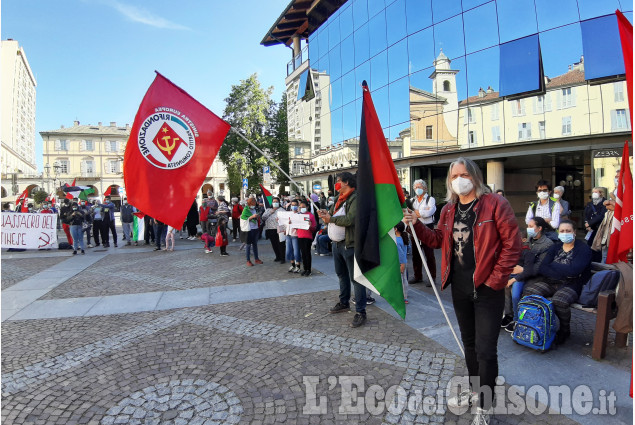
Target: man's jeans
[(343, 261), (323, 244), (127, 231)]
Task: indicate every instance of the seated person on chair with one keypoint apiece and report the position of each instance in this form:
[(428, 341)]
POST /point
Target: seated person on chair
[(563, 272)]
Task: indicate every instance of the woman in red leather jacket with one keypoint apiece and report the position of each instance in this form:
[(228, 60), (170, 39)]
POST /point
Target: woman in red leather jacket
[(480, 243)]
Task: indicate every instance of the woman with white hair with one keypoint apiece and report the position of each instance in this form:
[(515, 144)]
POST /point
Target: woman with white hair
[(558, 192), (424, 207), (593, 215), (480, 245)]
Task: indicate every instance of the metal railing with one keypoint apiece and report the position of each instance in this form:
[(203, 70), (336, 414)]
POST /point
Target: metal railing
[(298, 60)]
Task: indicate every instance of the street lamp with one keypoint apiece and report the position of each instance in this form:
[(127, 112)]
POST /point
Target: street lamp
[(56, 171)]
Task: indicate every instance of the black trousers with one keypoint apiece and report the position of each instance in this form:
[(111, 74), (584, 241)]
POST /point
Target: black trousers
[(148, 233), (235, 227), (104, 228), (479, 322), (305, 251), (278, 248), (97, 225), (191, 227), (417, 265), (158, 234), (111, 226)]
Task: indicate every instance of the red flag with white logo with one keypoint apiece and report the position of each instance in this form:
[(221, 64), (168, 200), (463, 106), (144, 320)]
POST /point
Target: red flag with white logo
[(622, 232), (21, 201), (172, 144)]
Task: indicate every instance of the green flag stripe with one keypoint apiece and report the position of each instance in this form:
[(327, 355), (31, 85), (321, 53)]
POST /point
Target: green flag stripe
[(389, 212)]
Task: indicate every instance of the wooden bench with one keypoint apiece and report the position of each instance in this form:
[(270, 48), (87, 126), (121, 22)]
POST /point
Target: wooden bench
[(605, 311)]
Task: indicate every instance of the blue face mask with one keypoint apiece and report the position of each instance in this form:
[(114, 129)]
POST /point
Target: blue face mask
[(566, 237), (419, 191), (276, 204), (303, 210), (531, 232), (294, 207)]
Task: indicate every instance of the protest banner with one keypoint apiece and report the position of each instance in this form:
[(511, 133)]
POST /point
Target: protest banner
[(29, 231)]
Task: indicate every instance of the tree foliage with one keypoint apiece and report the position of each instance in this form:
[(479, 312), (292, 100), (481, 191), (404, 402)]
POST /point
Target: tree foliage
[(39, 196), (250, 110)]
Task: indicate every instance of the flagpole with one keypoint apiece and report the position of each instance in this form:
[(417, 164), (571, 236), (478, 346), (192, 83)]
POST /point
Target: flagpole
[(434, 288), (273, 162)]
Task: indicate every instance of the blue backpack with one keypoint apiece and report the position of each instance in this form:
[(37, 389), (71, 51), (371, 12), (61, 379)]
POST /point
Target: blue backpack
[(537, 323)]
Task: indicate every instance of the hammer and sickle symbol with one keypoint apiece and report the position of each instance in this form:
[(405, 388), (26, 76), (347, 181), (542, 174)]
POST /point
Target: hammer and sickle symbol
[(46, 242), (167, 147)]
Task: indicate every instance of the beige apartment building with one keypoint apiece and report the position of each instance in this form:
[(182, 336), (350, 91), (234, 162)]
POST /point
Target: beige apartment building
[(18, 113)]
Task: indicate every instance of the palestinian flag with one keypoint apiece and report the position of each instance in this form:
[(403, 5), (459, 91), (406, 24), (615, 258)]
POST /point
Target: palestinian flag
[(138, 226), (267, 197), (379, 208), (70, 195), (80, 192), (83, 195)]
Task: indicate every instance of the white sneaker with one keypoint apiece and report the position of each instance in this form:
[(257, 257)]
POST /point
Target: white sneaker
[(463, 399), (207, 251), (296, 270), (89, 245), (482, 417), (291, 269)]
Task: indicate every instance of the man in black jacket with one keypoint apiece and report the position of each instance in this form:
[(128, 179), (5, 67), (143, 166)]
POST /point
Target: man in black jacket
[(126, 220)]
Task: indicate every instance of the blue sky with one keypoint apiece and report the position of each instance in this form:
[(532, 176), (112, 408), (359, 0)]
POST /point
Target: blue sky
[(95, 59)]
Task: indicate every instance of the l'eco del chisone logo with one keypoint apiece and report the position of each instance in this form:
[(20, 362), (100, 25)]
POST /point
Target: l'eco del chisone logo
[(167, 138)]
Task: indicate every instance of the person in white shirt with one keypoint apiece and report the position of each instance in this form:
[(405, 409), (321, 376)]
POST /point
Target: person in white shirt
[(546, 207), (424, 207)]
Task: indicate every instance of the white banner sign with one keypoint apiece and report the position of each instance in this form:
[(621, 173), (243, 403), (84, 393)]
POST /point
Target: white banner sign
[(29, 231), (294, 220)]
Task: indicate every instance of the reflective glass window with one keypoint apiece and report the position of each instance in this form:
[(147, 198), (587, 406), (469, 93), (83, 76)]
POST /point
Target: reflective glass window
[(360, 12), (377, 29), (471, 4), (460, 83), (602, 47), (349, 121), (421, 80), (334, 31), (396, 22), (593, 8), (379, 71), (314, 48), (346, 21), (444, 9), (520, 66), (336, 126), (323, 65), (421, 50), (348, 87), (418, 15), (483, 69), (548, 17), (380, 100), (362, 73), (347, 53), (398, 60), (398, 93), (323, 41), (335, 62), (302, 84), (335, 94), (482, 28), (561, 48), (516, 19), (448, 35), (362, 45), (374, 7)]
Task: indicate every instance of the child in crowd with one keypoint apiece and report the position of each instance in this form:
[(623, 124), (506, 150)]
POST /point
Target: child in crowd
[(169, 237), (402, 242), (207, 240)]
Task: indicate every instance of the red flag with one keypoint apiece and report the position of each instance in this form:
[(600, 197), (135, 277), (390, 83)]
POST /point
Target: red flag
[(108, 191), (22, 201), (622, 233), (70, 195), (626, 36), (173, 142)]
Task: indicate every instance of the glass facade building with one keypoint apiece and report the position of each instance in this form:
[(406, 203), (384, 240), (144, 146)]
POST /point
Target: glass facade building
[(529, 88)]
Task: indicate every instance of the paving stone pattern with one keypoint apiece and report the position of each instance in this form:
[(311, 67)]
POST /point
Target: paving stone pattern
[(18, 269), (130, 272)]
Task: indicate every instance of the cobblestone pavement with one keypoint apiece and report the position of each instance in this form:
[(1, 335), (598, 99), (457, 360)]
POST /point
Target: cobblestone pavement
[(128, 271), (15, 270), (242, 362), (195, 366)]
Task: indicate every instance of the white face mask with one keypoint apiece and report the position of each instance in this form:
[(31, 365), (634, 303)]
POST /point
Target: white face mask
[(616, 180), (543, 195), (462, 186), (557, 196), (595, 195)]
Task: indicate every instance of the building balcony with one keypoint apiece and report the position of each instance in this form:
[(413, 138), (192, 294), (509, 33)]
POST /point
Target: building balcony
[(298, 60)]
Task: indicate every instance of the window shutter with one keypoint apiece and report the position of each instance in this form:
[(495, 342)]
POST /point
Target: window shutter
[(520, 131), (107, 149), (82, 167), (529, 130), (559, 101), (82, 145), (535, 103), (547, 102), (572, 96), (613, 120), (58, 145), (106, 164), (118, 146)]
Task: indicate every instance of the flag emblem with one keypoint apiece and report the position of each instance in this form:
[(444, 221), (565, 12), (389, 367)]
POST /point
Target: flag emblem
[(167, 139)]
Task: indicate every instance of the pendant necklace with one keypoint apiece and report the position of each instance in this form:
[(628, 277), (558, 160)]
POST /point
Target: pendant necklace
[(463, 214)]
